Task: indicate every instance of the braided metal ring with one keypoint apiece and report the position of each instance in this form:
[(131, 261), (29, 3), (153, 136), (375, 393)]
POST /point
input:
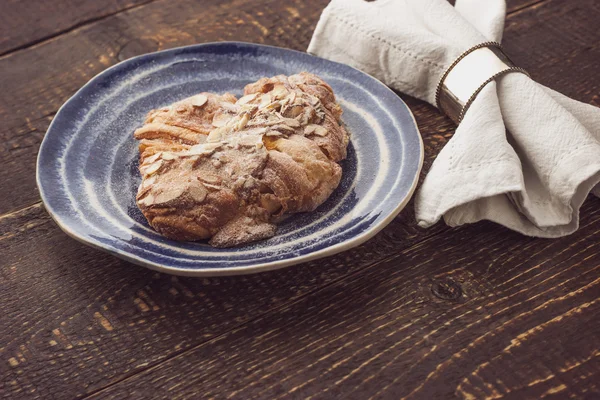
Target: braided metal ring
[(468, 75)]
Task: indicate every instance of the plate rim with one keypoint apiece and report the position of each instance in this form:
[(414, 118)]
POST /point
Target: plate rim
[(229, 271)]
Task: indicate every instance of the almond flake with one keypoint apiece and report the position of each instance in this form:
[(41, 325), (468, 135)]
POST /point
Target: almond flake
[(198, 192), (216, 135), (279, 91), (320, 131), (248, 98), (199, 100), (221, 119), (151, 159), (292, 97), (232, 108), (210, 179), (265, 100), (148, 200), (171, 193), (273, 106), (212, 146), (153, 168), (309, 129), (149, 182), (242, 122), (203, 149), (249, 140), (291, 122), (211, 186), (284, 127)]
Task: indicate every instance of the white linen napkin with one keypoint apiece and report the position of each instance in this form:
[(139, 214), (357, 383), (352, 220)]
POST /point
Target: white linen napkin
[(524, 155)]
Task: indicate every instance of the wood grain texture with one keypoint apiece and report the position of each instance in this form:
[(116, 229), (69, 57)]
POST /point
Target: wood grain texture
[(27, 22), (76, 321), (525, 326)]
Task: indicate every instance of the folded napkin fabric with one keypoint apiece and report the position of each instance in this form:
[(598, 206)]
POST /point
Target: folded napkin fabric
[(524, 155)]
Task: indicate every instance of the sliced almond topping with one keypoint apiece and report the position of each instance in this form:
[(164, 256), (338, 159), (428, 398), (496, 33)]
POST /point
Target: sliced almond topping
[(265, 100), (168, 156), (314, 100), (210, 179), (309, 129), (248, 98), (273, 106), (292, 97), (320, 131), (249, 140), (243, 121), (149, 182), (148, 200), (153, 168), (315, 129), (152, 158), (212, 146), (221, 119), (199, 100), (203, 149), (216, 135), (211, 186), (273, 133), (250, 108), (291, 122), (198, 192), (284, 127), (171, 193), (142, 192), (231, 107), (279, 91), (257, 131)]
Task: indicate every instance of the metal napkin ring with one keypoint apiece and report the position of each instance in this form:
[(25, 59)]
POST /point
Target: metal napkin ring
[(468, 75)]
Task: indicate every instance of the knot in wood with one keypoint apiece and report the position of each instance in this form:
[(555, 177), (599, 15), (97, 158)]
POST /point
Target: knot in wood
[(446, 289)]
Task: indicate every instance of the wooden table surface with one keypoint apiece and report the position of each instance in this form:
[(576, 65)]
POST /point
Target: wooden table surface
[(472, 312)]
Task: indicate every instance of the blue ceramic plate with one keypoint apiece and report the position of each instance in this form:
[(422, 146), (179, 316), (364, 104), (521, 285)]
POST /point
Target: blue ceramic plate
[(87, 169)]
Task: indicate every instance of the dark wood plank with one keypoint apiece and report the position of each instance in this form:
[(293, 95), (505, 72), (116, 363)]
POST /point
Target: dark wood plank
[(75, 320), (513, 318), (27, 22), (514, 6), (36, 81)]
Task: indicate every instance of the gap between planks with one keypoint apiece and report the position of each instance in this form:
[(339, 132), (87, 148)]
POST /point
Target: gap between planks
[(20, 210), (176, 354), (65, 31), (525, 7), (90, 21)]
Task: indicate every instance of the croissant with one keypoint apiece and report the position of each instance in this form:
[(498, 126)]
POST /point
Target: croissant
[(226, 169)]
